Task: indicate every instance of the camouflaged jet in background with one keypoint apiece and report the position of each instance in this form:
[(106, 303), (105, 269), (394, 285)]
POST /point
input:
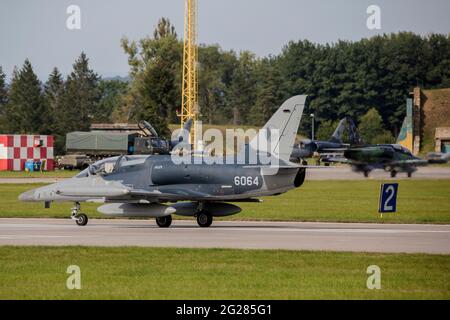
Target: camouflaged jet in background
[(155, 187), (393, 158)]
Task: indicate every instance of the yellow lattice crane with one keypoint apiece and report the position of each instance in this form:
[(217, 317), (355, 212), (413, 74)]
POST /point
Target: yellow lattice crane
[(189, 107)]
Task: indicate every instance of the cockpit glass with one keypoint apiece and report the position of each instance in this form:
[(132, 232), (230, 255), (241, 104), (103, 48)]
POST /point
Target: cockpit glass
[(102, 167), (110, 165), (405, 150), (402, 149)]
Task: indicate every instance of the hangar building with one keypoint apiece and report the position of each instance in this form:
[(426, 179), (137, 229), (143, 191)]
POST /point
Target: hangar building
[(427, 122)]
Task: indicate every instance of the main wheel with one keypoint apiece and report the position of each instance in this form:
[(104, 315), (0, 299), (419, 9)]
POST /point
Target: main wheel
[(164, 222), (410, 174), (81, 219), (204, 219), (366, 173), (393, 174)]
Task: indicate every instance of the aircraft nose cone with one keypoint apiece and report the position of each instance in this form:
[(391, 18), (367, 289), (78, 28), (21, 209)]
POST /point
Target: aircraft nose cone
[(28, 196)]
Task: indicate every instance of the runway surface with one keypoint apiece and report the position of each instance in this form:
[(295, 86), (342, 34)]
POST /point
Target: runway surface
[(325, 173), (241, 235)]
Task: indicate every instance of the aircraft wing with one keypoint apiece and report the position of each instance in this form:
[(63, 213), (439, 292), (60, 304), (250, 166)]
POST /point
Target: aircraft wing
[(412, 162), (176, 194), (398, 163), (113, 193)]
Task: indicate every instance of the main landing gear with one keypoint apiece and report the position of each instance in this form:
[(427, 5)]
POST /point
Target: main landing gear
[(394, 173), (204, 219), (80, 218), (164, 222)]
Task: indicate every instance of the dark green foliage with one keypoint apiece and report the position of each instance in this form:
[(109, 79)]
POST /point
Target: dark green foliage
[(3, 99), (326, 130), (3, 92), (350, 78), (216, 68), (26, 110), (371, 128), (53, 96), (57, 107), (155, 92), (81, 96), (164, 29), (269, 94), (241, 95), (111, 98)]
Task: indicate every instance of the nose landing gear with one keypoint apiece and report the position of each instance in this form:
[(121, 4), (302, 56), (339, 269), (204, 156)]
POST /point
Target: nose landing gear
[(80, 218)]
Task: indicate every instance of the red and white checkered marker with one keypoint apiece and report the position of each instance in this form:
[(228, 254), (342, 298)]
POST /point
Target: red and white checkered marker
[(15, 150)]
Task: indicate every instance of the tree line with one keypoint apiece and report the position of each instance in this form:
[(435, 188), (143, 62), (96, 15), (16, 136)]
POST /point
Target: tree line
[(59, 105), (368, 80)]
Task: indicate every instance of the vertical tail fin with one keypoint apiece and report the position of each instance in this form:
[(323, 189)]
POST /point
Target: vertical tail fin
[(353, 134), (286, 120), (337, 135), (405, 137)]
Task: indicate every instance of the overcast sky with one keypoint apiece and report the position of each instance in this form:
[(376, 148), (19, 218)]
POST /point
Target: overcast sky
[(37, 29)]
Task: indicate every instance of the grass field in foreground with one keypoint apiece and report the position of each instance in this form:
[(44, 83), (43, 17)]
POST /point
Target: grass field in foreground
[(161, 273), (419, 201)]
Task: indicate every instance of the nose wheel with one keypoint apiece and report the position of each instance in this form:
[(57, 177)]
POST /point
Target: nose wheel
[(80, 218)]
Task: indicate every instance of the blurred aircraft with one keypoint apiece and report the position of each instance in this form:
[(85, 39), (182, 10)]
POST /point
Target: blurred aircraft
[(393, 158), (325, 149), (389, 157)]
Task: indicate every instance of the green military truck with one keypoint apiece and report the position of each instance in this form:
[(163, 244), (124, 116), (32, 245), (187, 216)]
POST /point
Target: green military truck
[(85, 148)]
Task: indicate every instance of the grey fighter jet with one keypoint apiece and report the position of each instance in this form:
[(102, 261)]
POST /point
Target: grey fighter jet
[(325, 149), (154, 186)]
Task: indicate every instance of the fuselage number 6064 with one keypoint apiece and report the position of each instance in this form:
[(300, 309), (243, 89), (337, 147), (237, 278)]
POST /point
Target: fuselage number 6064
[(246, 181)]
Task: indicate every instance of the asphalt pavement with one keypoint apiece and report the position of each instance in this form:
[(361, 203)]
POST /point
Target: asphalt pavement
[(358, 237)]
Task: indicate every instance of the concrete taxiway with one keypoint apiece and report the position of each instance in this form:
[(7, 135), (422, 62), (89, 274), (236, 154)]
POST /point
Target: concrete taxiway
[(434, 239)]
